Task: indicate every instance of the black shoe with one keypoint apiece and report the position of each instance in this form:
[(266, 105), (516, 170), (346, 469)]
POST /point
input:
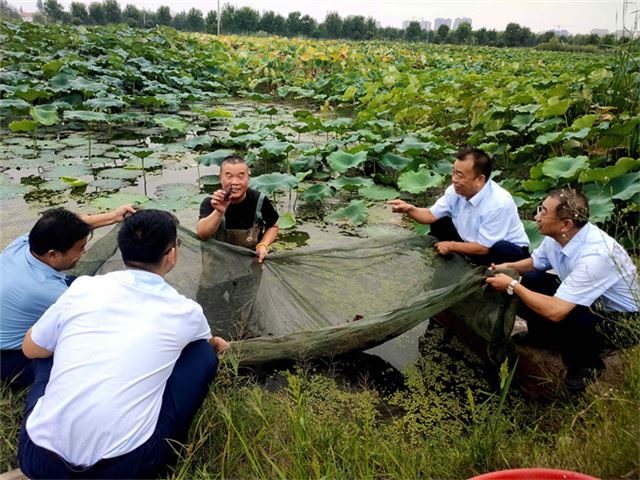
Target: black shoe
[(577, 378)]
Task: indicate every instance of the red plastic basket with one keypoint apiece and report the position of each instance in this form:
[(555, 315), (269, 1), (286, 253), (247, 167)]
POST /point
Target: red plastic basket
[(533, 474)]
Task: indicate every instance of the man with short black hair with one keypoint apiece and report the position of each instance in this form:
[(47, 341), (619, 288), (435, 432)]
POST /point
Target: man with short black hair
[(32, 278), (237, 214), (133, 363), (475, 216), (596, 285)]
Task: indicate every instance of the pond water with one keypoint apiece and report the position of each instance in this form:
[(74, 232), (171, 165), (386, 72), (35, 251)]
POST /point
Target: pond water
[(104, 167)]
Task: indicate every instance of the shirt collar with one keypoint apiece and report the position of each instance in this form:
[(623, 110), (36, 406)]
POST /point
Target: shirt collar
[(575, 244), (478, 197), (40, 265)]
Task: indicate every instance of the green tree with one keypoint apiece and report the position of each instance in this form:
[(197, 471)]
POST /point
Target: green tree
[(40, 6), (516, 36), (294, 25), (96, 13), (247, 20), (463, 35), (132, 16), (179, 21), (227, 19), (112, 13), (211, 22), (443, 31), (333, 25), (163, 15), (354, 27), (413, 32), (273, 23), (79, 13), (372, 28), (54, 11), (308, 26), (195, 21)]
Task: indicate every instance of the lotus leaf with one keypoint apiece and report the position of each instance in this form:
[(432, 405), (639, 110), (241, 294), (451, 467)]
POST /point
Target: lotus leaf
[(85, 116), (45, 116), (114, 200), (341, 161), (209, 180), (12, 190), (586, 121), (104, 103), (119, 173), (355, 214), (14, 103), (171, 123), (622, 166), (523, 120), (535, 237), (418, 182), (553, 108), (107, 183), (286, 221), (536, 185), (30, 94), (174, 191), (421, 229), (203, 141), (304, 163), (276, 148), (75, 171), (143, 164), (215, 158), (394, 162), (23, 126), (564, 167), (350, 183), (271, 182), (579, 135), (550, 137), (600, 203), (413, 146), (317, 193), (376, 192), (74, 182)]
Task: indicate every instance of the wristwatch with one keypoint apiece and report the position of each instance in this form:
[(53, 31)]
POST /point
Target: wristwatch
[(511, 286)]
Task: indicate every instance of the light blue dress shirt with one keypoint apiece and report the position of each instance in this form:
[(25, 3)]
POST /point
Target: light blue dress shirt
[(28, 287), (593, 268), (488, 217)]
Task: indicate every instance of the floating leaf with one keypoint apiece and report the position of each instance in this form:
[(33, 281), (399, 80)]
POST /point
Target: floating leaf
[(317, 193), (139, 164), (564, 167), (271, 182), (286, 221), (376, 192), (342, 161), (418, 182), (74, 182), (355, 214), (114, 200), (120, 173)]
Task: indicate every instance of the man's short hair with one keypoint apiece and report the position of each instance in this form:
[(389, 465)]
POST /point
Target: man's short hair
[(232, 159), (146, 236), (58, 229), (572, 205), (481, 161)]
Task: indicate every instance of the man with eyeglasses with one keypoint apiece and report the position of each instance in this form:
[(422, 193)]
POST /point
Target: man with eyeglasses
[(475, 216), (595, 287), (32, 278), (133, 363)]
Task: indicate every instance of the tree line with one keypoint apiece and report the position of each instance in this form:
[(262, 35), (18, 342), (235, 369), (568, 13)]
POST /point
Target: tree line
[(248, 21)]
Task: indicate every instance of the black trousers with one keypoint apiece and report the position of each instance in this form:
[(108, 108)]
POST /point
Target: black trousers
[(501, 252), (581, 336)]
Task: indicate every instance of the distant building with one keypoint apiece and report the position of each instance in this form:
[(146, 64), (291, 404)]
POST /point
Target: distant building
[(600, 31), (460, 20), (441, 21), (426, 25)]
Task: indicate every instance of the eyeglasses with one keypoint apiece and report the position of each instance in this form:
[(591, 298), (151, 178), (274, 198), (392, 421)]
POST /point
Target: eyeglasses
[(177, 244)]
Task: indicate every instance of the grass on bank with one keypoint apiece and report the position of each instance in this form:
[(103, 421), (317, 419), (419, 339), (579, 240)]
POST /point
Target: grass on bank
[(442, 424)]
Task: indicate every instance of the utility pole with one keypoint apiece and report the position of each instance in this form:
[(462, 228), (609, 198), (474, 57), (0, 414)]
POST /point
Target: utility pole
[(218, 17)]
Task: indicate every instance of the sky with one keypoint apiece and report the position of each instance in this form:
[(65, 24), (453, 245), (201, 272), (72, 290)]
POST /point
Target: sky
[(575, 16)]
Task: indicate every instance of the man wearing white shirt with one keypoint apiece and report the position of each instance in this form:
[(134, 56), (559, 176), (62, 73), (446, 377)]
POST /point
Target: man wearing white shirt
[(133, 362), (475, 216), (595, 287)]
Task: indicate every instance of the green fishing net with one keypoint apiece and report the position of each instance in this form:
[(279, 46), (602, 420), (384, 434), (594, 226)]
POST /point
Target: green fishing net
[(350, 294)]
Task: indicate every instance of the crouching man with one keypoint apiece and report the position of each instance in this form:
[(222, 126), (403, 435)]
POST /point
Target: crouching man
[(132, 363), (596, 285)]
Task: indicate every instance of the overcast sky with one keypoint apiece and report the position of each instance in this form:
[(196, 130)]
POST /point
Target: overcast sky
[(576, 16)]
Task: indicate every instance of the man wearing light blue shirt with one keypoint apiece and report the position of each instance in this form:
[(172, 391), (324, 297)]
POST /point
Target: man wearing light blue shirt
[(475, 216), (32, 278), (597, 286)]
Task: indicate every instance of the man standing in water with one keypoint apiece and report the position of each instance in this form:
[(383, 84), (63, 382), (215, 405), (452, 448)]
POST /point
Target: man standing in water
[(133, 363), (596, 285), (237, 214), (475, 216)]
